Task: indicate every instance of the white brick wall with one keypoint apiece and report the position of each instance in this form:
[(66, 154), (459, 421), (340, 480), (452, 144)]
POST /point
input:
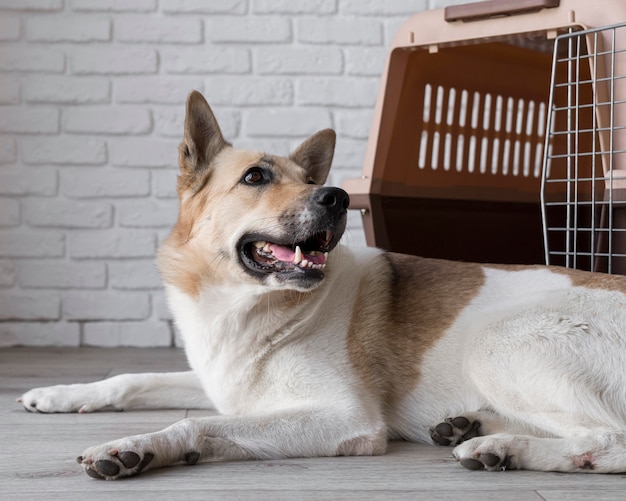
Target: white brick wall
[(92, 99)]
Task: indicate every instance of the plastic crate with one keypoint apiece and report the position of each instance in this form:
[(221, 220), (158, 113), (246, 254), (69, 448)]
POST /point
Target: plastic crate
[(454, 158)]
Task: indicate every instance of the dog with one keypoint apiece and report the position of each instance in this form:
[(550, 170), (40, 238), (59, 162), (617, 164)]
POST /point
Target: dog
[(307, 347)]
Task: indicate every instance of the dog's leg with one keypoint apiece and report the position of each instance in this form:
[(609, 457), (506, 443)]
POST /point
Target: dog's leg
[(170, 390), (295, 433), (601, 452)]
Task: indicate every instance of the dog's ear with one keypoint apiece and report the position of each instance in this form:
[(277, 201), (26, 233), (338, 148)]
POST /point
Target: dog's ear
[(203, 138), (316, 155)]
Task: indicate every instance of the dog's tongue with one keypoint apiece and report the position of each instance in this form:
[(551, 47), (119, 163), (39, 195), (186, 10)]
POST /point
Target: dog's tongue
[(287, 255)]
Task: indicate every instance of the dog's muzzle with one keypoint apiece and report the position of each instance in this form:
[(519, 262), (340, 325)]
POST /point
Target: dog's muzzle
[(300, 251)]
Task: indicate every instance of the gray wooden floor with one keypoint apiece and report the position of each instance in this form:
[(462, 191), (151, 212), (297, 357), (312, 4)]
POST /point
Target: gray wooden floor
[(38, 451)]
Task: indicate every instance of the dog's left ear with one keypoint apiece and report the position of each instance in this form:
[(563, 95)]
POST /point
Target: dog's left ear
[(316, 155)]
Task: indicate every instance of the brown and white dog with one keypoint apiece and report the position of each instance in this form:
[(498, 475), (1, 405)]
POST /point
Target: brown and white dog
[(310, 348)]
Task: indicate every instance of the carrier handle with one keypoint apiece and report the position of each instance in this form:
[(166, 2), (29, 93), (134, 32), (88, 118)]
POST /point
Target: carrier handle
[(495, 8)]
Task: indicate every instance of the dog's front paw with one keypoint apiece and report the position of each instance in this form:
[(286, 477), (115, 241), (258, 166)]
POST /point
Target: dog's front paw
[(492, 453), (62, 398), (453, 431), (111, 462)]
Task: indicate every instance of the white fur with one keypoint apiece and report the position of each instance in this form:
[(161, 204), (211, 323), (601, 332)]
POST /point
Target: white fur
[(530, 354)]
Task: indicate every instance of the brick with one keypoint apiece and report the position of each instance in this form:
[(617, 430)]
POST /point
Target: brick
[(24, 120), (48, 5), (339, 30), (9, 90), (383, 7), (31, 181), (8, 151), (391, 27), (158, 89), (274, 146), (68, 214), (134, 275), (32, 60), (17, 243), (206, 60), (204, 7), (111, 183), (160, 307), (350, 154), (299, 61), (137, 28), (270, 29), (62, 275), (164, 183), (117, 61), (144, 152), (105, 305), (7, 273), (63, 150), (68, 28), (114, 5), (138, 334), (169, 121), (286, 122), (353, 123), (34, 305), (256, 91), (66, 90), (39, 334), (9, 27), (109, 244), (9, 212), (348, 92), (147, 213), (294, 7), (125, 120), (365, 61)]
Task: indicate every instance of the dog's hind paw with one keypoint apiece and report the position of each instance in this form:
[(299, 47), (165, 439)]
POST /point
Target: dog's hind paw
[(491, 453), (453, 431)]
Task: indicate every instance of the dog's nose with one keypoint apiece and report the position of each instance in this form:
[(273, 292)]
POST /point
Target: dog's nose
[(332, 198)]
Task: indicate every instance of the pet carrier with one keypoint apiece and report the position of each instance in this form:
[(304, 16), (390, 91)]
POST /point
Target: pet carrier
[(584, 181), (453, 166)]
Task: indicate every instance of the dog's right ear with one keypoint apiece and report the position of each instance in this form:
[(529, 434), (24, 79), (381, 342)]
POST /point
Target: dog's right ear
[(203, 138)]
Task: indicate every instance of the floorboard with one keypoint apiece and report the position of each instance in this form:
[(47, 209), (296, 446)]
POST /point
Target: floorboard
[(38, 451)]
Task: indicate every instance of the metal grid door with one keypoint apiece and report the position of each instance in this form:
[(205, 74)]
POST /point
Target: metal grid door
[(583, 190)]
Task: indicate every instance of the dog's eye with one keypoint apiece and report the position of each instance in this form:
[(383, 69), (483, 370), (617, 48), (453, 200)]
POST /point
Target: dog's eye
[(255, 175)]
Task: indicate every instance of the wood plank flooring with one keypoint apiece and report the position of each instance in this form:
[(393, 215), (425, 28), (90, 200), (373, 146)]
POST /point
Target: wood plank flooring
[(38, 451)]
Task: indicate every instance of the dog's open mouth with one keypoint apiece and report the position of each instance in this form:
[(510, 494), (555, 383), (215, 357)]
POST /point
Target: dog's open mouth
[(261, 255)]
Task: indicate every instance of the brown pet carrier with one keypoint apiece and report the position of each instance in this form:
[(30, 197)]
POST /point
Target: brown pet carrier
[(454, 161)]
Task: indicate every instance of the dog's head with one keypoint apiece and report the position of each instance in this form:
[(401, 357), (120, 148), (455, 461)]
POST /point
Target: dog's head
[(251, 217)]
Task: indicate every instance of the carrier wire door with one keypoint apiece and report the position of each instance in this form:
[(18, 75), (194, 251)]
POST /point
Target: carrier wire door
[(583, 190)]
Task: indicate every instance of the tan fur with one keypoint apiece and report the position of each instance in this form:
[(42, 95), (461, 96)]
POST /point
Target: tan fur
[(386, 344), (579, 278), (184, 252)]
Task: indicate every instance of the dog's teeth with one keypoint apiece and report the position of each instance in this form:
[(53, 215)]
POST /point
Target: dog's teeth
[(266, 248), (297, 258), (304, 263), (325, 255), (260, 245)]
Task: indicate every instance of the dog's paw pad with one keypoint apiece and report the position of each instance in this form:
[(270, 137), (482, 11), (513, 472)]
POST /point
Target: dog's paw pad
[(472, 464), (453, 431), (192, 457), (486, 461), (117, 465)]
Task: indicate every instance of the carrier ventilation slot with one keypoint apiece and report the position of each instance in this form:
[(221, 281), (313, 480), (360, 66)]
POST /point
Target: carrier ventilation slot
[(481, 132)]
